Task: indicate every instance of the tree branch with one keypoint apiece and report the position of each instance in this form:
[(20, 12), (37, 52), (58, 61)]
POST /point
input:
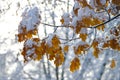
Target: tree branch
[(105, 22), (88, 27)]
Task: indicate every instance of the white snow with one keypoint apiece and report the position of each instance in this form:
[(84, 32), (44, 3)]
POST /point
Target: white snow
[(74, 21), (84, 12), (66, 17), (91, 3), (78, 42), (103, 2), (30, 18), (12, 68), (29, 43), (76, 5), (83, 30), (49, 39), (30, 51)]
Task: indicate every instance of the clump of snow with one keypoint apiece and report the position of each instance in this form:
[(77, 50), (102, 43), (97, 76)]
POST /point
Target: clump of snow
[(49, 38), (66, 17), (30, 51), (76, 5), (101, 16), (74, 21), (85, 12), (103, 1), (30, 19), (83, 30), (29, 43), (78, 42), (91, 3)]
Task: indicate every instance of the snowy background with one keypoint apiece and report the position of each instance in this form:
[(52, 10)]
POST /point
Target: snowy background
[(11, 61)]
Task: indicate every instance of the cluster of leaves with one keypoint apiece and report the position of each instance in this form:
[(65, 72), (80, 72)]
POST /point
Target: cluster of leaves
[(35, 49), (89, 21), (54, 51), (114, 41), (29, 23)]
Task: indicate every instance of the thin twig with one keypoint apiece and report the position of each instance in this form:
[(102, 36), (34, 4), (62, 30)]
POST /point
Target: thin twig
[(29, 75), (68, 40), (51, 25), (108, 14), (92, 40)]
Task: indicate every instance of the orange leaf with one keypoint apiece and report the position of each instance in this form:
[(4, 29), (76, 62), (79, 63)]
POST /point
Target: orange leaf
[(62, 21), (66, 48), (29, 35), (95, 44), (116, 2), (113, 43), (21, 37), (96, 52), (87, 21), (83, 36), (39, 57), (113, 64), (51, 57), (59, 59), (55, 41), (105, 45), (36, 39), (76, 11), (98, 3), (84, 4), (78, 50), (75, 64)]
